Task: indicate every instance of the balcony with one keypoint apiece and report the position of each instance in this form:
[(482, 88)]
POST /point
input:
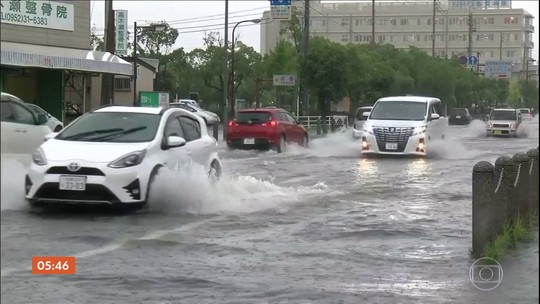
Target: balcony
[(529, 28), (529, 44)]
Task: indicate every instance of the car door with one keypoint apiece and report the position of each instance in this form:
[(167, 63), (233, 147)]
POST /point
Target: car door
[(433, 125), (176, 157), (296, 129), (198, 147), (287, 126)]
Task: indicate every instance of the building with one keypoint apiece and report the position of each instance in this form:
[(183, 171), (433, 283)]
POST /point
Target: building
[(46, 56), (497, 34), (123, 85)]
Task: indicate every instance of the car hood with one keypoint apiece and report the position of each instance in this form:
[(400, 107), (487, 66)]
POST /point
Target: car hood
[(502, 121), (64, 150), (394, 123)]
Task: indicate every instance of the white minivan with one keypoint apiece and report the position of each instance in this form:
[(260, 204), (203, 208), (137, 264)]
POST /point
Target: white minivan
[(404, 125)]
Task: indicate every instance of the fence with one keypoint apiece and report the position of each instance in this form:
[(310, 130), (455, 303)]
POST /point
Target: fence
[(500, 193), (310, 122)]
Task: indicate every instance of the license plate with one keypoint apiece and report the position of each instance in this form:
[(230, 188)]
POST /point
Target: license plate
[(391, 146), (458, 116), (249, 141), (72, 183), (497, 132)]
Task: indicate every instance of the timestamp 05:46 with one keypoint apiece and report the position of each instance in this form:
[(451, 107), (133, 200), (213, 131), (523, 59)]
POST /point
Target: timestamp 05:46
[(54, 265)]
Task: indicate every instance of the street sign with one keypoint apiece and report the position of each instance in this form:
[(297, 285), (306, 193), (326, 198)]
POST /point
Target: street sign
[(473, 60), (121, 32), (154, 99), (498, 69), (281, 9), (463, 59), (284, 80)]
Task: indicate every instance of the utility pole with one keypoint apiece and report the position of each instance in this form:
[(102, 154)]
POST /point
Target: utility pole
[(225, 73), (373, 22), (433, 33), (500, 46), (107, 80), (446, 34), (303, 88)]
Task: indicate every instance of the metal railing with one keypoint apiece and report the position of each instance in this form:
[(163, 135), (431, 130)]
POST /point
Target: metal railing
[(310, 122)]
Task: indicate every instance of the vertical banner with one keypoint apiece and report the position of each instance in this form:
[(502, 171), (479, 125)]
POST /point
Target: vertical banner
[(120, 19)]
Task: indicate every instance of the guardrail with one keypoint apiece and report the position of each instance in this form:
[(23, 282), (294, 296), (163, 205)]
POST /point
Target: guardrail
[(501, 194), (310, 122)]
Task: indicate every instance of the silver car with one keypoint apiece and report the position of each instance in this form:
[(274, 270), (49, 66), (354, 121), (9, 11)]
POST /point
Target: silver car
[(503, 122), (209, 117)]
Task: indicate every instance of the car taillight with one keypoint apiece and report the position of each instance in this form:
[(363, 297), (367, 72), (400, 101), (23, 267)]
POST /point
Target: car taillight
[(232, 124), (273, 123)]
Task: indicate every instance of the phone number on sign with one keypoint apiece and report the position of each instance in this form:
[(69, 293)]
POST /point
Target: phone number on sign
[(24, 19)]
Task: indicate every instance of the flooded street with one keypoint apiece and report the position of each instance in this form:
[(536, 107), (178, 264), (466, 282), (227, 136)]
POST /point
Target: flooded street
[(316, 225)]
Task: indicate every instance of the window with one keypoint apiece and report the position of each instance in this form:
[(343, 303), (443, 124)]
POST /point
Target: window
[(403, 21), (398, 110), (6, 112), (122, 83), (37, 110), (191, 128), (344, 22), (282, 117), (173, 127), (291, 118), (22, 115), (253, 117), (345, 38)]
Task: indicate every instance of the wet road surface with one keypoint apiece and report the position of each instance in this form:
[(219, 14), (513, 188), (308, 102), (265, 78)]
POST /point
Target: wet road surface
[(317, 225)]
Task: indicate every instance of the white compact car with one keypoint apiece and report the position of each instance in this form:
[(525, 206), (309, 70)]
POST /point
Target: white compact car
[(526, 114), (23, 130), (360, 118), (111, 155), (404, 125), (54, 124), (209, 117), (503, 122)]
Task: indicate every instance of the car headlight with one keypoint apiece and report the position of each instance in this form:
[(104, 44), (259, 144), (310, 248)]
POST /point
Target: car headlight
[(512, 125), (490, 124), (368, 129), (128, 160), (420, 130), (39, 157)]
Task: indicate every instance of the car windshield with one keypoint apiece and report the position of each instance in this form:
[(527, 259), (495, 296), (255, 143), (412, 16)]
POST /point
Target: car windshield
[(524, 111), (399, 110), (253, 117), (113, 127), (503, 115), (360, 113), (458, 111), (37, 110)]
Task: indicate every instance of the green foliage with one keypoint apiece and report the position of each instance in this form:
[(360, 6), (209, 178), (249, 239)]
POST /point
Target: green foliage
[(511, 235), (151, 42)]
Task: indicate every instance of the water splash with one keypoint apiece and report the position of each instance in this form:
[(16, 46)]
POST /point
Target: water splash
[(339, 144), (12, 185)]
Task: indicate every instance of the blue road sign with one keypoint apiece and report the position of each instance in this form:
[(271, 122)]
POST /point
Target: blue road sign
[(463, 60), (280, 2), (473, 60)]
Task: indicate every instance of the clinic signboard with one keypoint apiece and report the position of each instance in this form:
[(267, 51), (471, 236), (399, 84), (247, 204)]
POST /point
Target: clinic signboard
[(38, 13), (153, 99)]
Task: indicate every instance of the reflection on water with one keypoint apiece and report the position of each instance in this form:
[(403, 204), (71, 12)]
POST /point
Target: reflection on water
[(418, 168), (367, 168)]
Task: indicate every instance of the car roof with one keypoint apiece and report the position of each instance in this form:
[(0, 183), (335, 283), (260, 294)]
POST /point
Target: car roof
[(504, 109), (366, 107), (262, 110), (4, 94), (409, 98)]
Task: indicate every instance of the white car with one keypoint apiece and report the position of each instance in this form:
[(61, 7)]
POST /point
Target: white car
[(404, 125), (360, 118), (209, 117), (23, 131), (526, 114), (503, 122), (53, 123), (111, 155)]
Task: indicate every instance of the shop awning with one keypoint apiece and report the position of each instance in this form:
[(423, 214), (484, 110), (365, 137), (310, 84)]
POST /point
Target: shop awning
[(30, 55)]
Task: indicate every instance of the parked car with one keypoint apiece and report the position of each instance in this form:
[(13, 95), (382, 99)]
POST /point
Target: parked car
[(112, 155), (459, 116), (22, 129), (54, 124), (404, 125), (265, 128), (190, 101), (360, 118), (526, 114), (210, 118), (503, 122)]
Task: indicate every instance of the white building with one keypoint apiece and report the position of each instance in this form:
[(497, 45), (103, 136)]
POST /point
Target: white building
[(497, 34)]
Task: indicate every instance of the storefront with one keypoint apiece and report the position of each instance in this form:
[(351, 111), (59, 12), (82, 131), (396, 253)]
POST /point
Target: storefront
[(46, 57)]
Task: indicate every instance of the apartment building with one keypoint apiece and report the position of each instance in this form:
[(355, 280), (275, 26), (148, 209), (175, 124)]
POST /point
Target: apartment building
[(497, 33)]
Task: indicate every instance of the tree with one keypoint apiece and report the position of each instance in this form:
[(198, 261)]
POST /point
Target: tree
[(151, 42), (97, 43), (294, 28)]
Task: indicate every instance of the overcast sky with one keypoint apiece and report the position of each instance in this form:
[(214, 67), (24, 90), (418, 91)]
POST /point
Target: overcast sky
[(194, 18)]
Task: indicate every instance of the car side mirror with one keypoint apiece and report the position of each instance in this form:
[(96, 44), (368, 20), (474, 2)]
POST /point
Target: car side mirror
[(42, 119), (435, 116), (366, 115), (175, 142), (50, 135)]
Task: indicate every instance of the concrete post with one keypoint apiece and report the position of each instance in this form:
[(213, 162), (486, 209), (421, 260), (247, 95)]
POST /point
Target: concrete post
[(521, 183), (483, 212), (215, 130), (533, 181), (504, 191), (319, 125)]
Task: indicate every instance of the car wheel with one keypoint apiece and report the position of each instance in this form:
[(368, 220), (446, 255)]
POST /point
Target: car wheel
[(58, 128), (153, 175), (282, 145), (214, 173), (305, 141)]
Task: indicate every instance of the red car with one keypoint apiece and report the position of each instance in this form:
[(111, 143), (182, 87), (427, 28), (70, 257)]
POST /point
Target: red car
[(265, 128)]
